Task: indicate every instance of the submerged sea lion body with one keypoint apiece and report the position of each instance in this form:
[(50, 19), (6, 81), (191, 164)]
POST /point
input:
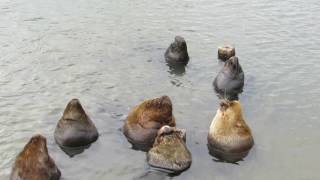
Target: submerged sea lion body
[(229, 136), (169, 151), (177, 52), (144, 121), (75, 128), (34, 162), (230, 80)]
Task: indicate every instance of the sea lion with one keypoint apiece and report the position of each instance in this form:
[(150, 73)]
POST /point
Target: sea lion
[(177, 52), (75, 128), (144, 121), (34, 162), (169, 151), (226, 52), (229, 136), (230, 80)]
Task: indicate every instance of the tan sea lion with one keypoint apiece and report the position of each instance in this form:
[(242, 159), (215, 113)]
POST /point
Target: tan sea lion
[(75, 128), (229, 137), (169, 151), (144, 121), (34, 162)]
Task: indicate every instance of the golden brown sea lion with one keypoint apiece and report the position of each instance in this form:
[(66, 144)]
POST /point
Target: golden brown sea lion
[(75, 128), (144, 121), (229, 136), (34, 162), (169, 151)]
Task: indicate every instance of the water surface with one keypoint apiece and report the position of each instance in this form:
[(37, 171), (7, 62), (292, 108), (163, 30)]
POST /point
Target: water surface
[(109, 54)]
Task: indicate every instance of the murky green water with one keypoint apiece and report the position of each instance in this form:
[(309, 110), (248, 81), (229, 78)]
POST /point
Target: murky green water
[(109, 54)]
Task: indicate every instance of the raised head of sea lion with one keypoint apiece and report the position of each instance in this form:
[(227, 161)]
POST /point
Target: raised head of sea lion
[(34, 162), (230, 80), (177, 52), (229, 136), (169, 151), (144, 121), (75, 128)]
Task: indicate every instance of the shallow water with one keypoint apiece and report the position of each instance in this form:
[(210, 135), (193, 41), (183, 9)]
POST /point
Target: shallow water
[(109, 54)]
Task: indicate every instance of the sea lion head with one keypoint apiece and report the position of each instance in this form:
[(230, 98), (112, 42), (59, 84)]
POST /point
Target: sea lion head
[(233, 65), (169, 151), (74, 111), (179, 44), (177, 53), (37, 143), (34, 162), (162, 104), (144, 121)]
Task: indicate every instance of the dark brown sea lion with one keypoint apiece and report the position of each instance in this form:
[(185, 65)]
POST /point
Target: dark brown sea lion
[(230, 80), (169, 151), (229, 137), (34, 162), (226, 52), (177, 52), (75, 128), (144, 121)]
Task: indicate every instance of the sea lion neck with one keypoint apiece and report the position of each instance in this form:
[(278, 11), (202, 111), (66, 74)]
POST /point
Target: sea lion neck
[(74, 111), (232, 113)]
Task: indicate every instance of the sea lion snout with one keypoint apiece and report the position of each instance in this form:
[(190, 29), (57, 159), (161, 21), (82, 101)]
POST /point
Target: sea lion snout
[(74, 102), (180, 42), (177, 52), (165, 100), (233, 62), (38, 139)]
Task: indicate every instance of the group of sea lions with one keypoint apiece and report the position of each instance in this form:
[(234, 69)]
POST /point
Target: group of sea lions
[(150, 127), (74, 132)]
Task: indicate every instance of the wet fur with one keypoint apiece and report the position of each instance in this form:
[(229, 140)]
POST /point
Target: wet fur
[(144, 121), (34, 162), (230, 80), (229, 132), (177, 53), (169, 152), (75, 128)]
